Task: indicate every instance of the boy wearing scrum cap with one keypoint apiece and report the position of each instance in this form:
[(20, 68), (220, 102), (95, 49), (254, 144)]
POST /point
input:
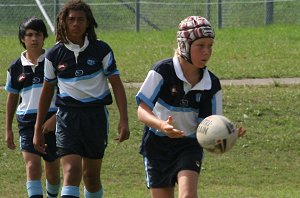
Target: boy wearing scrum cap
[(177, 94)]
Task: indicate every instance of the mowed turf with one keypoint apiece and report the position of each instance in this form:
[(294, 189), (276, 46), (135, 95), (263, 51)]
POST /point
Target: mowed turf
[(265, 163)]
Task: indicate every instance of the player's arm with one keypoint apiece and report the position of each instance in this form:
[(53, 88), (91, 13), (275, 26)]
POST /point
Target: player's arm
[(11, 106), (146, 116), (43, 107), (121, 100), (49, 125)]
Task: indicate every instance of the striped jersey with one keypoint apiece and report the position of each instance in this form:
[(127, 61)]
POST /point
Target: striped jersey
[(81, 73), (26, 79), (167, 92)]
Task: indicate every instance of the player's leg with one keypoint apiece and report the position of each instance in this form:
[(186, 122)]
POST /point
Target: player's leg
[(33, 174), (52, 178), (187, 183), (162, 192), (91, 178), (159, 179), (72, 172), (68, 137), (52, 166), (94, 144), (188, 167)]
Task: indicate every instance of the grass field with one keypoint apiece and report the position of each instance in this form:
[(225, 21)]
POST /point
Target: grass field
[(272, 51), (265, 164)]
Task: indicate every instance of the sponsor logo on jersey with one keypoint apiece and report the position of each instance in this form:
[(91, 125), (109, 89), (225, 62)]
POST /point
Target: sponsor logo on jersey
[(79, 72), (36, 80), (22, 77)]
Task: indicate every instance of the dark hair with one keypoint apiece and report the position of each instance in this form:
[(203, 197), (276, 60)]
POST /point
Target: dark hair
[(34, 24), (78, 5)]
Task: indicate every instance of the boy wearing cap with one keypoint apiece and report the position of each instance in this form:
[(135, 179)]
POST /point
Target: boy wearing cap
[(177, 94)]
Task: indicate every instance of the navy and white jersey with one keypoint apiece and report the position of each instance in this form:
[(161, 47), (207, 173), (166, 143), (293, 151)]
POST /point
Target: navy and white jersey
[(81, 73), (26, 79), (167, 92)]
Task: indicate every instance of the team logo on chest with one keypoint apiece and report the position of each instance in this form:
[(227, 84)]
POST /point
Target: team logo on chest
[(198, 97), (62, 66), (91, 62), (22, 77), (184, 103)]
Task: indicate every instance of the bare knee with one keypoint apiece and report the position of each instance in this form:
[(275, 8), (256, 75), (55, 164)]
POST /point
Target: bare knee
[(92, 181), (33, 170), (52, 172)]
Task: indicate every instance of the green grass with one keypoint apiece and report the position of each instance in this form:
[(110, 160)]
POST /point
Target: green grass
[(271, 51), (265, 163)]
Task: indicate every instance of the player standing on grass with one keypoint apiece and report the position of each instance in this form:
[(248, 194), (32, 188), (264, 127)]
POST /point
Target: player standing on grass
[(177, 94), (81, 65), (24, 84)]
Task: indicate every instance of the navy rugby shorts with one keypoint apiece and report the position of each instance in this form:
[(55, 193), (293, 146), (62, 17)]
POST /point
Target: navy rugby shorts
[(26, 143), (164, 157), (82, 131)]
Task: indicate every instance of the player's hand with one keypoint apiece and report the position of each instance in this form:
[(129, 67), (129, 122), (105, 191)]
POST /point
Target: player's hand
[(123, 132), (49, 125), (168, 128), (241, 132), (10, 140), (39, 143)]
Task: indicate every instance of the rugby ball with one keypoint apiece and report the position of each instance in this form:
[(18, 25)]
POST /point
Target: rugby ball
[(217, 134)]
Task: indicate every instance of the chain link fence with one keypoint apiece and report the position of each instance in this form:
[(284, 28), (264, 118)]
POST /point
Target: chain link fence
[(137, 15)]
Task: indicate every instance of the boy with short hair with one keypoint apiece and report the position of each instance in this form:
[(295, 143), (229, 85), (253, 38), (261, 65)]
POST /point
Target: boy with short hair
[(24, 82)]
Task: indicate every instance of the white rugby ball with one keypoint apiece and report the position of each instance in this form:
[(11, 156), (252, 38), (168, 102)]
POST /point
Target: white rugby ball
[(217, 134)]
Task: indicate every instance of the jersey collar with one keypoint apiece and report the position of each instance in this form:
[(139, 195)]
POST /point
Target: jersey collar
[(76, 48), (26, 62), (205, 82)]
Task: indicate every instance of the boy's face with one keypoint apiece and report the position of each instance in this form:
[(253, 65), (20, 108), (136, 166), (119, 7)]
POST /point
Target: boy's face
[(33, 39), (201, 50), (77, 23)]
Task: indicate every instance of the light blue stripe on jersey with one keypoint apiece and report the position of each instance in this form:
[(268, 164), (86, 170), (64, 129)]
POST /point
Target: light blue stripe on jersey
[(107, 62), (214, 105), (141, 96), (11, 90), (50, 80), (116, 72), (31, 111), (34, 86), (87, 99), (176, 109), (75, 79)]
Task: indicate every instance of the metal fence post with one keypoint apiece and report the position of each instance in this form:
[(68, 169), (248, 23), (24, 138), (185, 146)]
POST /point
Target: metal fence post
[(137, 15), (269, 11), (208, 8), (220, 25)]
